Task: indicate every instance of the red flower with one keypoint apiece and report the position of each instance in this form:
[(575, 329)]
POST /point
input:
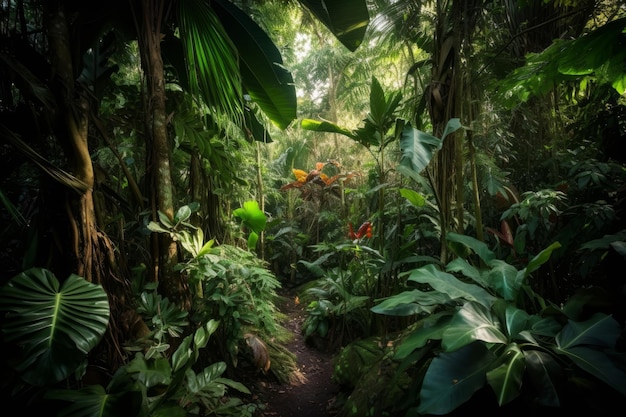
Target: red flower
[(364, 230)]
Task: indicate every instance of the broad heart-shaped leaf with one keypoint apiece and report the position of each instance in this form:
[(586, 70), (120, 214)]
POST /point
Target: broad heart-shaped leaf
[(346, 19), (450, 285), (94, 401), (453, 377), (412, 302), (506, 378), (56, 325), (266, 80), (253, 238), (582, 343), (473, 322), (601, 51)]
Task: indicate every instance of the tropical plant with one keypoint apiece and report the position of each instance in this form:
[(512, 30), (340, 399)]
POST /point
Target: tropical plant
[(480, 324), (236, 288), (161, 386), (58, 326), (54, 325), (337, 300)]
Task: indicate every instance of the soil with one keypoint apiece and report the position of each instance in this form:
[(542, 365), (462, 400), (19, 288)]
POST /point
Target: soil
[(313, 392)]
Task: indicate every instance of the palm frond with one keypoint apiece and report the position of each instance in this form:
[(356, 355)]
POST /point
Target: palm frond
[(212, 59)]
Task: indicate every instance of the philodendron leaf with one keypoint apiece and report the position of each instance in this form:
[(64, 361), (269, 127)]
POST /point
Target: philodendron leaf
[(253, 238), (479, 248), (56, 325), (453, 377), (600, 330)]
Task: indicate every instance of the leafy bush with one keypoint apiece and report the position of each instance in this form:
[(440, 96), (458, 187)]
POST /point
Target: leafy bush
[(481, 325)]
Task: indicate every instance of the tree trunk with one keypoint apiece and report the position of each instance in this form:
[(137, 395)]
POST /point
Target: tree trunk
[(91, 253), (158, 149), (442, 107)]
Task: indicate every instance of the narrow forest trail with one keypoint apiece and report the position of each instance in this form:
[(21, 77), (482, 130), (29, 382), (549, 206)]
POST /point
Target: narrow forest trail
[(313, 393)]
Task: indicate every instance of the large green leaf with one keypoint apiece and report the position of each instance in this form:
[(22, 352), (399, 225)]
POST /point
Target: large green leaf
[(453, 377), (506, 378), (473, 322), (479, 248), (419, 148), (516, 320), (581, 342), (411, 302), (56, 325), (450, 285), (505, 279), (346, 19), (269, 84), (544, 372)]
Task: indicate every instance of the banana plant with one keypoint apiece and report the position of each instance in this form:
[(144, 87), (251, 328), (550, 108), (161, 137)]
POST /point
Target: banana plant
[(484, 326)]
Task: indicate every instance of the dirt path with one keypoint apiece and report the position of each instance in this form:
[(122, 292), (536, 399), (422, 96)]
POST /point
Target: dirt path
[(313, 396)]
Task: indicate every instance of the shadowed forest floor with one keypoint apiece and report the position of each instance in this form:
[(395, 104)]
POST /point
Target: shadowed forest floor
[(313, 394)]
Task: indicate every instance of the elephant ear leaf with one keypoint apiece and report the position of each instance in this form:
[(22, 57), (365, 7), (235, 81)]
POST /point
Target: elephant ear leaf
[(54, 325)]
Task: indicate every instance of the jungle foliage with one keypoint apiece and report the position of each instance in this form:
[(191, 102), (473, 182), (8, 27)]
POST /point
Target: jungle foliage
[(442, 184)]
